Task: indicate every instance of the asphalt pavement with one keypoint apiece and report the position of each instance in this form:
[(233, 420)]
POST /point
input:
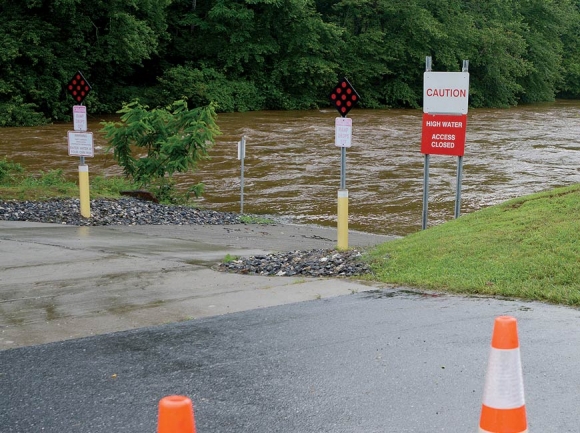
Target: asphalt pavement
[(357, 358)]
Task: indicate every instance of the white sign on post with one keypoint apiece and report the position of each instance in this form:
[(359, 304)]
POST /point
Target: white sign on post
[(80, 144), (343, 132), (445, 92), (80, 118)]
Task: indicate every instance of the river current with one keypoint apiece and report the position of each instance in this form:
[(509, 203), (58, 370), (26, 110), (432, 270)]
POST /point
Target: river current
[(292, 166)]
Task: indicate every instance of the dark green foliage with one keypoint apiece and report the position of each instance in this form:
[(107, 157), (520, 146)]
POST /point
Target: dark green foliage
[(174, 140), (44, 42), (201, 87), (279, 54)]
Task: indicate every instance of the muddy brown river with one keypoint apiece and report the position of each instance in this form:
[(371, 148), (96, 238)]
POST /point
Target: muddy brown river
[(292, 167)]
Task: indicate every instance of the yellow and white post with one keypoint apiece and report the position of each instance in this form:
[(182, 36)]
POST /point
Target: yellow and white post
[(342, 219), (80, 143), (343, 139), (84, 189)]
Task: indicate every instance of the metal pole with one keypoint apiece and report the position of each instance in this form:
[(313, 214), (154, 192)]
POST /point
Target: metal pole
[(242, 156), (458, 191), (343, 168), (428, 66), (242, 190), (425, 192), (465, 68)]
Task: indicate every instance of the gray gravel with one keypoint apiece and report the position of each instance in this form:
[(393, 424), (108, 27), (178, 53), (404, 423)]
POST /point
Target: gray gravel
[(131, 211), (104, 212), (314, 263)]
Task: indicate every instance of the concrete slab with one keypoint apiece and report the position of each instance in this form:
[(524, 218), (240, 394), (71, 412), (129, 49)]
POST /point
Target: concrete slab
[(60, 282)]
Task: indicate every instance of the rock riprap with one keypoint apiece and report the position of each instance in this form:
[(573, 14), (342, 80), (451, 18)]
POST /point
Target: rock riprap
[(312, 263), (124, 211)]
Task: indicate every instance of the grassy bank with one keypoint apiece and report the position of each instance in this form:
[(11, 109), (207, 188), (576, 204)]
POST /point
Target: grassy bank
[(17, 184), (527, 247)]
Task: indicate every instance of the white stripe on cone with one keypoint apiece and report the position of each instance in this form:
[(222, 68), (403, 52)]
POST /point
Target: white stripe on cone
[(504, 383)]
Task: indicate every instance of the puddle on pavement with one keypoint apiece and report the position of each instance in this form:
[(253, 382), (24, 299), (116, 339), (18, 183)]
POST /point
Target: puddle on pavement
[(390, 293)]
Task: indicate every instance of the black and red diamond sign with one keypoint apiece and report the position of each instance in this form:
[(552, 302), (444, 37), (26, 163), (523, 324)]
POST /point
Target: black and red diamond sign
[(78, 87), (344, 97)]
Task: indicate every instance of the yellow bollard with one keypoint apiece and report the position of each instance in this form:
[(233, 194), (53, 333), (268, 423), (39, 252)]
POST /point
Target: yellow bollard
[(342, 219), (84, 191)]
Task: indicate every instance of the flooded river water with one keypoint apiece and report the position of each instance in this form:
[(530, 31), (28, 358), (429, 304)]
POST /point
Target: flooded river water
[(293, 168)]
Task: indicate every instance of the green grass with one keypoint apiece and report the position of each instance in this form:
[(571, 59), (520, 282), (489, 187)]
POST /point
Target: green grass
[(524, 248), (17, 184), (229, 258)]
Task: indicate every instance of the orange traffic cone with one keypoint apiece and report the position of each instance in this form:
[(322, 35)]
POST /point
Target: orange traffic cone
[(176, 415), (504, 408)]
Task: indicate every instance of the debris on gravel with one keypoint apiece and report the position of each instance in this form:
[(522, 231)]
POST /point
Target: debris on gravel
[(313, 263)]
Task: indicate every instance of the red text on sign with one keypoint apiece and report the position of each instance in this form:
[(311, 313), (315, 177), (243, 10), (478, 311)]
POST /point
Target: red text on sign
[(443, 134), (447, 93)]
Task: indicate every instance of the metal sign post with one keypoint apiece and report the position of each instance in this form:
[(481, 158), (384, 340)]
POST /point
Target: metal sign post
[(465, 68), (80, 142), (445, 105), (241, 157), (343, 97), (428, 66), (425, 192), (343, 139)]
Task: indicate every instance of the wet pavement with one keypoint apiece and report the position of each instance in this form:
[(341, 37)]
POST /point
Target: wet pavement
[(376, 359), (60, 282)]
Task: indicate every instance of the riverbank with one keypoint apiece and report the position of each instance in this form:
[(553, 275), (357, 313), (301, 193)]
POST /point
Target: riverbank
[(528, 248)]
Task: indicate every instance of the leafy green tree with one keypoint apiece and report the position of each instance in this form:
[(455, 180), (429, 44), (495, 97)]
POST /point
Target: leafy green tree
[(44, 42), (204, 86), (29, 66), (496, 53), (545, 22), (279, 54), (570, 86), (281, 50), (386, 42), (305, 65), (174, 140)]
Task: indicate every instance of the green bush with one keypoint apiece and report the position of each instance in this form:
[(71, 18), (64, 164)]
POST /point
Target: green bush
[(207, 86), (17, 113), (174, 139)]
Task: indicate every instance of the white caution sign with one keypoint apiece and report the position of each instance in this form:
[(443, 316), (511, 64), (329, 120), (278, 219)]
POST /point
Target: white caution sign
[(80, 144), (446, 92), (343, 132)]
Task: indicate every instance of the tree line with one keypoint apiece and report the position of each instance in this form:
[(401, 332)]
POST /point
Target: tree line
[(279, 54)]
